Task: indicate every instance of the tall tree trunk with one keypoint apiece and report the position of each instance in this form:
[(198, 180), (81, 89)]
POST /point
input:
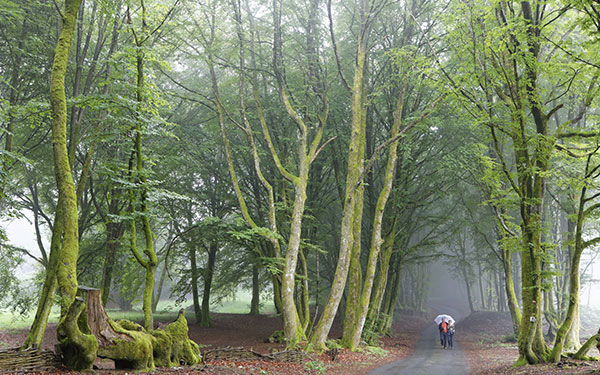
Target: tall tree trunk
[(148, 260), (362, 307), (352, 301), (194, 281), (114, 232), (35, 336), (481, 291), (354, 171), (381, 279), (209, 271), (574, 277), (79, 349), (255, 302)]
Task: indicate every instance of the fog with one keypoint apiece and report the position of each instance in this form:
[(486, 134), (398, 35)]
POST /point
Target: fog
[(20, 232), (446, 289), (447, 292)]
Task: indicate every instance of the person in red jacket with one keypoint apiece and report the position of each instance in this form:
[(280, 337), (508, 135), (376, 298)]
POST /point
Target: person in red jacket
[(443, 332)]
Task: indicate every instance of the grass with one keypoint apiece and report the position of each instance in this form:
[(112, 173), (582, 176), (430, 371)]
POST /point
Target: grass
[(166, 311), (11, 321)]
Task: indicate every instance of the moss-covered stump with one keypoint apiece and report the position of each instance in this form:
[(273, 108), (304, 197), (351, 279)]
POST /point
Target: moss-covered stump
[(77, 346), (124, 342), (172, 345), (130, 345), (133, 350)]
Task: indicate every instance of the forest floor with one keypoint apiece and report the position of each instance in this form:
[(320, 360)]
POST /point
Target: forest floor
[(250, 332), (490, 348), (483, 336)]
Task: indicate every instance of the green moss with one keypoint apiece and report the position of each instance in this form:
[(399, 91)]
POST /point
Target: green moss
[(78, 349), (129, 325), (136, 354), (162, 349), (183, 350), (522, 361)]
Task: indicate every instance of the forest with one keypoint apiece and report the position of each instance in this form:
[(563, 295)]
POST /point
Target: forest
[(336, 162)]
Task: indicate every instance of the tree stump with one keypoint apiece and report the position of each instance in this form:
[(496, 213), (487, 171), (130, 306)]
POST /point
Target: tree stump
[(78, 346), (130, 345)]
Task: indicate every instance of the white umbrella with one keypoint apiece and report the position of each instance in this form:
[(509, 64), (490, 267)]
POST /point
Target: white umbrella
[(438, 319)]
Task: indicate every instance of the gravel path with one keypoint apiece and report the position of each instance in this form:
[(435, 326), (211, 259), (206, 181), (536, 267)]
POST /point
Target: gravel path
[(429, 357)]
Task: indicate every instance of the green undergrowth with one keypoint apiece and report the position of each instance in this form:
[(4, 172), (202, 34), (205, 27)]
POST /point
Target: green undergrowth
[(315, 367), (376, 350)]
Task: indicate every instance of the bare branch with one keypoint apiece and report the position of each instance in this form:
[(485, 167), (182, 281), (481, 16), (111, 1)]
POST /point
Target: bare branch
[(321, 148)]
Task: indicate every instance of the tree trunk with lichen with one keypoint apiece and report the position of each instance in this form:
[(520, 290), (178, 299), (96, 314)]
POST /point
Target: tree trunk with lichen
[(390, 298), (35, 336), (381, 279), (137, 175), (362, 308), (355, 276), (587, 346), (574, 276), (79, 348), (513, 302), (355, 168)]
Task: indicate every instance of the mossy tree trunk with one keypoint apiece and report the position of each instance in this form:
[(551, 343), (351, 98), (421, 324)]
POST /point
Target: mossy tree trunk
[(587, 346), (513, 302), (274, 247), (579, 247), (79, 349), (354, 332), (307, 151), (37, 330), (147, 259), (114, 233), (354, 171), (66, 270), (355, 277), (381, 279)]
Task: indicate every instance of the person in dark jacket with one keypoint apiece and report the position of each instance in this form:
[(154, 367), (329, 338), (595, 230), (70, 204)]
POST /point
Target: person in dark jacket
[(450, 335)]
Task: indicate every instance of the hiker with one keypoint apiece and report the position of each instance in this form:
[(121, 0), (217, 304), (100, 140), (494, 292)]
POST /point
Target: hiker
[(450, 335), (443, 332)]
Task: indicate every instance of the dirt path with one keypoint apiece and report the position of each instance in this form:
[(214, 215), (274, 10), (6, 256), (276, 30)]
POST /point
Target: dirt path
[(429, 357)]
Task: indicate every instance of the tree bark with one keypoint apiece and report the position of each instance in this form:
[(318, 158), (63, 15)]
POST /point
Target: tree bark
[(208, 277), (255, 302), (355, 168), (194, 281)]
